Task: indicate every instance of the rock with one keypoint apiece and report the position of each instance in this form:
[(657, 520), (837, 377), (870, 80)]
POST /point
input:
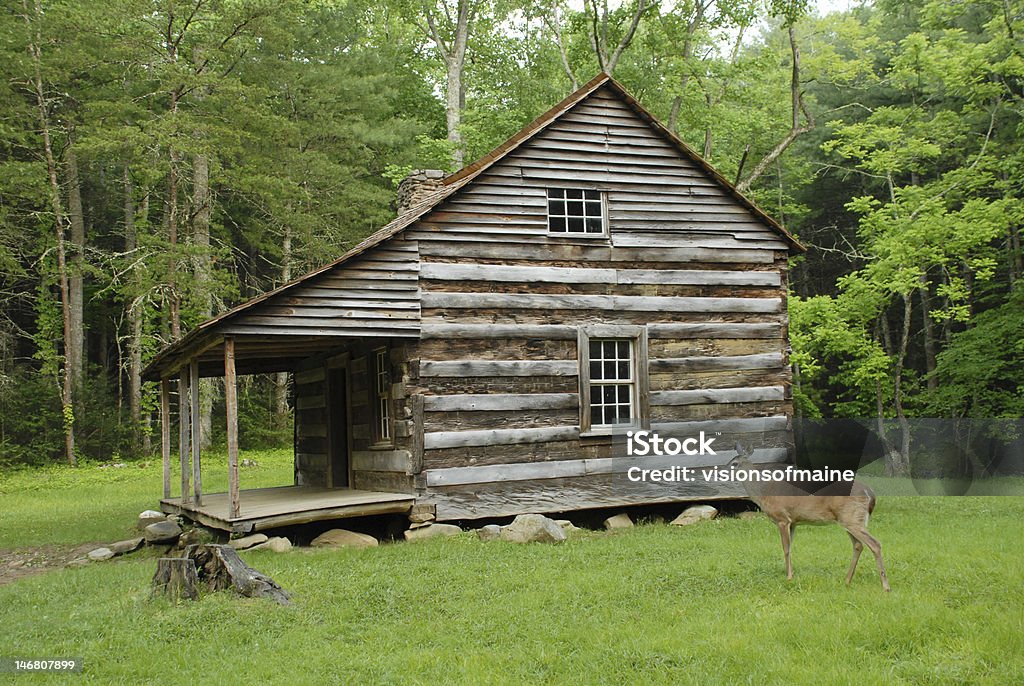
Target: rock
[(419, 518), (419, 525), (248, 541), (694, 514), (195, 536), (342, 538), (491, 532), (567, 526), (162, 532), (149, 517), (100, 554), (124, 547), (619, 521), (432, 531), (532, 528), (277, 544), (748, 514), (423, 508)]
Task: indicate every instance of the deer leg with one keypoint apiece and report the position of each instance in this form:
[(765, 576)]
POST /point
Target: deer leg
[(876, 549), (857, 548), (786, 532)]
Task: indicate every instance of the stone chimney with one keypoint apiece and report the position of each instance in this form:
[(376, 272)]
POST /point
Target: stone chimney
[(417, 186)]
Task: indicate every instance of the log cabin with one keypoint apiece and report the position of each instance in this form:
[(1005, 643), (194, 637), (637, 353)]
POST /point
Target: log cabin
[(482, 355)]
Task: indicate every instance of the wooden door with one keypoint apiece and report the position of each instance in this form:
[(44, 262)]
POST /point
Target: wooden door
[(338, 428)]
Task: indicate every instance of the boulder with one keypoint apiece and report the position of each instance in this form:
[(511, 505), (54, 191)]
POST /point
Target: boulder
[(195, 536), (128, 546), (491, 532), (694, 514), (248, 541), (162, 532), (149, 517), (532, 528), (342, 538), (619, 521), (567, 526), (100, 554), (432, 531), (277, 544), (421, 517)]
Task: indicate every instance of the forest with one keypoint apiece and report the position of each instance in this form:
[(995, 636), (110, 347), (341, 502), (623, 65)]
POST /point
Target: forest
[(163, 160)]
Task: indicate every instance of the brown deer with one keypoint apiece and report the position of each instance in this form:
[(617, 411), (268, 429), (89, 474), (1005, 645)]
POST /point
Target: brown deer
[(849, 511)]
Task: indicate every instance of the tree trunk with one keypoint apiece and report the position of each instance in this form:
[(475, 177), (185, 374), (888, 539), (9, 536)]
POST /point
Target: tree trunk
[(928, 327), (134, 315), (219, 567), (201, 210), (75, 349), (456, 96), (59, 221), (176, 578), (281, 378)]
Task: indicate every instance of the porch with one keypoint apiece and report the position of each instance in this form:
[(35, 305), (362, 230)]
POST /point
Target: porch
[(268, 508)]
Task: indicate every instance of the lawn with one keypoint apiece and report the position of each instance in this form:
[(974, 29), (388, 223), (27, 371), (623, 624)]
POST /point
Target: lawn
[(652, 605)]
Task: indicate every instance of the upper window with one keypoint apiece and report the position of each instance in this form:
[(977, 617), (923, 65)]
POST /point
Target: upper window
[(575, 211), (613, 378)]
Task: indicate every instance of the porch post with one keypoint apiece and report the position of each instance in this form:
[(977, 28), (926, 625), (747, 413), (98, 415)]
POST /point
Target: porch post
[(165, 432), (184, 432), (197, 438), (231, 405)]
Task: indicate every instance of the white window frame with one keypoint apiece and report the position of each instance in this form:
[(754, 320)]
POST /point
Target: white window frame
[(603, 216), (381, 389), (640, 412)]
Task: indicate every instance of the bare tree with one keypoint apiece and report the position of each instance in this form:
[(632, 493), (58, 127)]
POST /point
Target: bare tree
[(32, 16), (608, 57), (801, 119), (448, 27)]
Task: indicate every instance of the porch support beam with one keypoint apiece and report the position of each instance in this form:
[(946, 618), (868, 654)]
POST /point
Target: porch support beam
[(165, 432), (184, 435), (231, 406), (197, 437)]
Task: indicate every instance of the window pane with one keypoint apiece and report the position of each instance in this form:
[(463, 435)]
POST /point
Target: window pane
[(576, 224), (595, 349), (609, 394), (609, 370), (576, 194), (624, 394), (557, 224), (609, 350), (574, 208), (595, 394), (623, 350), (595, 416), (595, 371), (593, 209), (592, 195), (594, 225), (556, 207), (623, 370)]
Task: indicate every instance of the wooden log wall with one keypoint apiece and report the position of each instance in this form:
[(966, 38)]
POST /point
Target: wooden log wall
[(502, 301), (374, 466)]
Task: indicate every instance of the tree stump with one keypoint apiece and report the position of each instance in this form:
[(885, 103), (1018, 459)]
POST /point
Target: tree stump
[(220, 567), (176, 578)]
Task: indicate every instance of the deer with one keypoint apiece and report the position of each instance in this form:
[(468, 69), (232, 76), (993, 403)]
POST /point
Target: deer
[(850, 511)]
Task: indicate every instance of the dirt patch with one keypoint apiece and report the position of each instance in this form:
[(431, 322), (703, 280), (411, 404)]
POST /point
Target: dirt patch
[(19, 563)]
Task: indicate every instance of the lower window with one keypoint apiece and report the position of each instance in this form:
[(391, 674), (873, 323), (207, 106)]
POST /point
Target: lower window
[(613, 382)]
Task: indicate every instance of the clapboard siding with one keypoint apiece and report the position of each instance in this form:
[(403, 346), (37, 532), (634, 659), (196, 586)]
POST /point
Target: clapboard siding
[(376, 294)]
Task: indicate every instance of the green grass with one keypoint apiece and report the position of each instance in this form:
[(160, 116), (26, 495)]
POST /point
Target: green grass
[(706, 604), (64, 505)]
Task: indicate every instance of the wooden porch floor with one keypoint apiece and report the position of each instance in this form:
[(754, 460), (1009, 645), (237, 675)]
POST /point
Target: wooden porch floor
[(267, 508)]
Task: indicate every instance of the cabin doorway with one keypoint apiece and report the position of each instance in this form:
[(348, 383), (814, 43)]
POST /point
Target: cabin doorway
[(337, 428)]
